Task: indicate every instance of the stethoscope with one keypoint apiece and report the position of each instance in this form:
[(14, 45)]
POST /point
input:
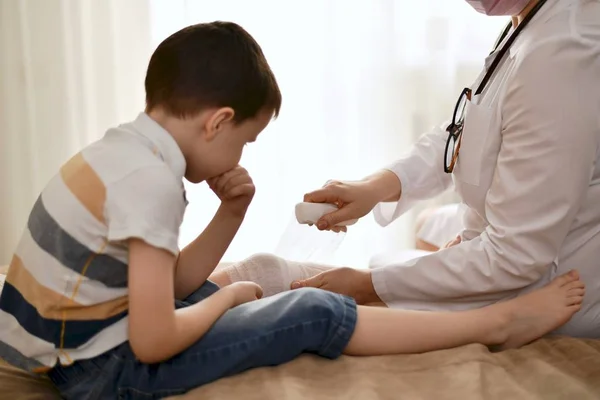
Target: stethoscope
[(455, 128), (509, 43)]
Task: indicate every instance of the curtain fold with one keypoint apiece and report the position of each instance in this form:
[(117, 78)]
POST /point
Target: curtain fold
[(361, 80), (68, 70)]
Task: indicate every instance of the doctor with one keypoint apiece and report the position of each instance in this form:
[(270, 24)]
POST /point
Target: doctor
[(522, 150)]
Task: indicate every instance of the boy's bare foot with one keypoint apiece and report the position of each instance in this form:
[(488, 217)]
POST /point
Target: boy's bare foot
[(533, 315)]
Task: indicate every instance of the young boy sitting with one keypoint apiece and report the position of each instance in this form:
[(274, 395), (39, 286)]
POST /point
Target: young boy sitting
[(99, 297)]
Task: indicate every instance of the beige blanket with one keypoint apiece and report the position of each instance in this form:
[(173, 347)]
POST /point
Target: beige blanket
[(558, 368), (553, 368), (548, 369)]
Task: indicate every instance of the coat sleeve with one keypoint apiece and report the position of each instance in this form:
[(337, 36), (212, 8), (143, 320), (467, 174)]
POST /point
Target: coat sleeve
[(421, 173)]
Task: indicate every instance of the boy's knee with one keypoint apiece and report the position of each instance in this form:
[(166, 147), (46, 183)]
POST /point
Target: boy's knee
[(265, 263), (265, 260), (314, 303), (267, 270)]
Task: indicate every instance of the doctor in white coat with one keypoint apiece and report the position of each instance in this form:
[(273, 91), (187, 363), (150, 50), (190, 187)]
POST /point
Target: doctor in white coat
[(523, 152)]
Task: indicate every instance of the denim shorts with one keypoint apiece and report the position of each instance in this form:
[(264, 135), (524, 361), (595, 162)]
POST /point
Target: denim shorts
[(265, 332)]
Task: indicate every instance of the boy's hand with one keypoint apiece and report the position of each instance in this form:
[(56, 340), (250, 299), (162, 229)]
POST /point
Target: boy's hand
[(235, 189), (244, 292)]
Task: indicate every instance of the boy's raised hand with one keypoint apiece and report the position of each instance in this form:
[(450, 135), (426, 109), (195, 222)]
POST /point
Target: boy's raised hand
[(235, 189)]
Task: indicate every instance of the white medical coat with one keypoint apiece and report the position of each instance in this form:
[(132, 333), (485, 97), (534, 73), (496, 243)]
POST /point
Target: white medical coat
[(528, 174)]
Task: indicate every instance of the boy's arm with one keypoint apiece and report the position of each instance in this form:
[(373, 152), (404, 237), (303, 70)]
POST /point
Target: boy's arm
[(145, 209), (199, 259), (157, 331)]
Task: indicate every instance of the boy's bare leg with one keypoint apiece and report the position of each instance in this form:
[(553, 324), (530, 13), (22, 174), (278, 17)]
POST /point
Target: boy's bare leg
[(376, 304), (509, 324), (272, 273)]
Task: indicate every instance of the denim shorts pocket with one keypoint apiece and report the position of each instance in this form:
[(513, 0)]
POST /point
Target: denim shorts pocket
[(85, 379)]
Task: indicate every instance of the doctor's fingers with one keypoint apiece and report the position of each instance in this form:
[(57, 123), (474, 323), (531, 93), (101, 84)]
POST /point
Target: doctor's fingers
[(325, 195), (347, 212), (315, 282), (334, 193), (336, 229), (332, 182)]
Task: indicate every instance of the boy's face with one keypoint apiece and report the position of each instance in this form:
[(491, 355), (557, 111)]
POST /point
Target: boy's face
[(218, 142)]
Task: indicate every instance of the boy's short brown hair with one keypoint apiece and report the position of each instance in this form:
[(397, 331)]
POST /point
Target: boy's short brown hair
[(215, 64)]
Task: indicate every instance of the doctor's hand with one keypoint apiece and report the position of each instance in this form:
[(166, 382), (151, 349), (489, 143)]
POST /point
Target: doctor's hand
[(351, 282), (354, 199)]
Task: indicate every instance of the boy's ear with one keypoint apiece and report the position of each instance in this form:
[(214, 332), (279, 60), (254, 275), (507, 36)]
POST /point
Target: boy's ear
[(217, 121)]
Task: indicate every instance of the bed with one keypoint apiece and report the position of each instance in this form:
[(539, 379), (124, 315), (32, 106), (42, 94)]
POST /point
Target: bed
[(550, 368)]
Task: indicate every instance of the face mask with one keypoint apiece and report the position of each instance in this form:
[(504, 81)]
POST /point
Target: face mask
[(499, 7)]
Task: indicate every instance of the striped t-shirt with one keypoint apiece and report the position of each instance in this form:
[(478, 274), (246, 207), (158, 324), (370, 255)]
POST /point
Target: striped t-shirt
[(65, 296)]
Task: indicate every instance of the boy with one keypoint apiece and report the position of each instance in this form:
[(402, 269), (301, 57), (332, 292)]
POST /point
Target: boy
[(89, 298)]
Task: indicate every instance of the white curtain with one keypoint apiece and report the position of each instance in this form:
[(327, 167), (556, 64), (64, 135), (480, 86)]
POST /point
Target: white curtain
[(361, 79), (68, 70)]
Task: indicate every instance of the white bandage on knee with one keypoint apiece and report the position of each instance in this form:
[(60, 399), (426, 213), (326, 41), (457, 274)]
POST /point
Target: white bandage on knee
[(272, 273)]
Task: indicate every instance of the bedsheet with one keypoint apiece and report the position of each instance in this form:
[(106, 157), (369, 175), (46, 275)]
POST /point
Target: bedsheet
[(550, 368)]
